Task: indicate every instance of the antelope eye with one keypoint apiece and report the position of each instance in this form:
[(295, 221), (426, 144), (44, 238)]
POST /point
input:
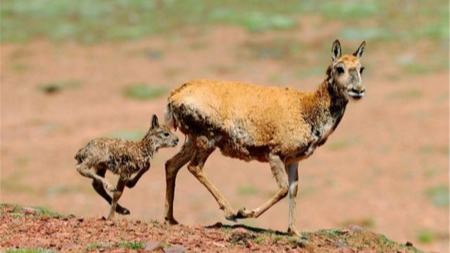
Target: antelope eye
[(340, 70), (361, 70), (166, 134)]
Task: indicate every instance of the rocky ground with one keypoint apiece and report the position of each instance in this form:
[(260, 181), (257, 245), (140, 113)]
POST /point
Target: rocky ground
[(42, 230)]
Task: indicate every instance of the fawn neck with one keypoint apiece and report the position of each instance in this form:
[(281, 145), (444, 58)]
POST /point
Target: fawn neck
[(147, 146)]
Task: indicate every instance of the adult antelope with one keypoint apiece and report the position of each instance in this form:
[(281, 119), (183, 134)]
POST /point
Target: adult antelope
[(281, 126)]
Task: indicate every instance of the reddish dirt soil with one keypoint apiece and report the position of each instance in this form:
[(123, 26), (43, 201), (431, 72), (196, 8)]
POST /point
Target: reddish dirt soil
[(72, 234), (375, 170)]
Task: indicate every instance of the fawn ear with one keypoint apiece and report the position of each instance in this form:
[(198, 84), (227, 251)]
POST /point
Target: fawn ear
[(336, 50), (155, 122), (358, 53)]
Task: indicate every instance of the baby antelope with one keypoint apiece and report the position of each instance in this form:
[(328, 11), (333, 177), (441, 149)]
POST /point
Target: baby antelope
[(123, 158)]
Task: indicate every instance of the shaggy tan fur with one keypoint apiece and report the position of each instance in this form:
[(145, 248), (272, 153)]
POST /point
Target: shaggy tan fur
[(271, 124)]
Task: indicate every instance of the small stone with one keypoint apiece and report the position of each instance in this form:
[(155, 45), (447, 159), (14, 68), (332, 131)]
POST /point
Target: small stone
[(153, 246), (175, 249), (409, 244), (29, 210)]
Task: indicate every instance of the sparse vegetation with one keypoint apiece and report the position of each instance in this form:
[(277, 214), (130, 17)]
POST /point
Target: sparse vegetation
[(410, 94), (439, 195), (141, 91), (363, 222), (426, 236), (247, 190), (131, 135), (131, 245), (434, 149), (58, 86), (337, 145), (39, 250)]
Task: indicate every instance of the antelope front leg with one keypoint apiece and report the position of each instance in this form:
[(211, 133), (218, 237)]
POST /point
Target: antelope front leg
[(132, 182), (279, 172), (116, 196), (292, 194)]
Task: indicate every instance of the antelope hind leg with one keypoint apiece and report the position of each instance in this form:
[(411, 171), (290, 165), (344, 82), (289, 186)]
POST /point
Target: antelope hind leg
[(173, 165), (196, 168), (88, 172)]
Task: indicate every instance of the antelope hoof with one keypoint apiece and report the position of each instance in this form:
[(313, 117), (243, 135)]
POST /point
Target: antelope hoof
[(292, 231), (170, 221), (231, 216), (245, 213)]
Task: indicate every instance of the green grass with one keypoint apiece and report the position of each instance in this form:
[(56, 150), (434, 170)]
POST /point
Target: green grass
[(103, 20), (141, 91), (25, 250), (99, 246), (90, 21), (132, 245), (348, 10), (439, 195), (426, 236)]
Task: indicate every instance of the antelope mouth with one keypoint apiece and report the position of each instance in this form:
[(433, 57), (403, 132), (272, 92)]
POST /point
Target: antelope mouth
[(356, 94)]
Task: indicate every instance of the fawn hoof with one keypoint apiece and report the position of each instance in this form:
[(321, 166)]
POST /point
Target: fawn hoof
[(122, 210), (170, 221), (110, 188)]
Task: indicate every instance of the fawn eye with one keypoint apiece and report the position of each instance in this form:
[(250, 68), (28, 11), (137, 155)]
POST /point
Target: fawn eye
[(340, 70), (361, 70), (166, 134)]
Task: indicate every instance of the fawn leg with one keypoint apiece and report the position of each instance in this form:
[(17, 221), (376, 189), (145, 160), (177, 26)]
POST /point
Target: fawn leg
[(88, 172), (132, 182), (173, 165), (116, 196), (196, 168), (292, 194), (278, 170), (98, 187)]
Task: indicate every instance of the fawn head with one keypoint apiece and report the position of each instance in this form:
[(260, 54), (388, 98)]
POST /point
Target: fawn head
[(160, 136), (346, 71)]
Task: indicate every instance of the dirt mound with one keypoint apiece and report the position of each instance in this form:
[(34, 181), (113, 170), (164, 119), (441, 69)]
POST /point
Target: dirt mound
[(39, 228)]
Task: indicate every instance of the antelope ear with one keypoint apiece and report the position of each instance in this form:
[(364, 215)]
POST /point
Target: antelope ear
[(336, 50), (155, 122), (358, 53)]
